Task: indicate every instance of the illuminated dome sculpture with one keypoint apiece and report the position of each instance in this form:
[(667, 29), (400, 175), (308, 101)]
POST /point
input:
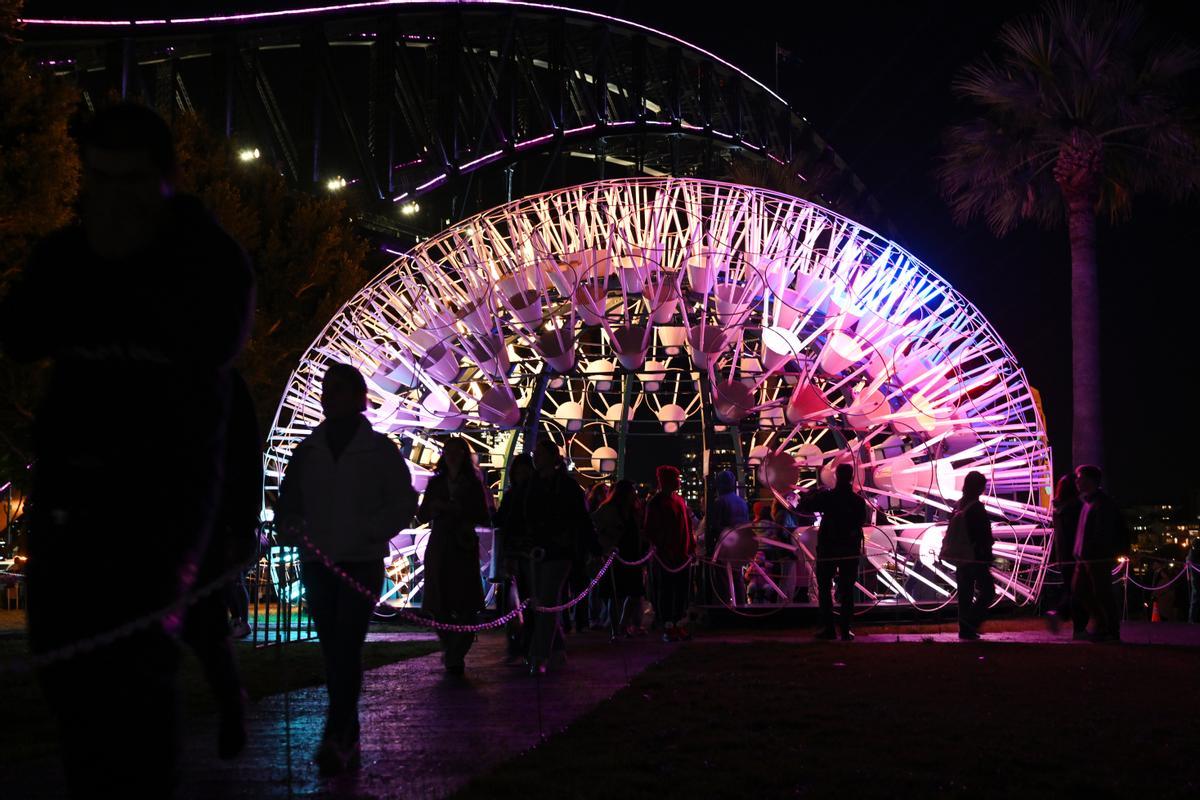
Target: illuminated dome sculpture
[(787, 337)]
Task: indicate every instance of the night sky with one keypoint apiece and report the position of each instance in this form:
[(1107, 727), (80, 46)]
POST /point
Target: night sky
[(874, 80)]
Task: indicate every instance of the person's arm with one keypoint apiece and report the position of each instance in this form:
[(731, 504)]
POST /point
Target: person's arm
[(814, 501), (399, 499), (289, 509), (432, 499), (1120, 531), (479, 509), (979, 527), (583, 521)]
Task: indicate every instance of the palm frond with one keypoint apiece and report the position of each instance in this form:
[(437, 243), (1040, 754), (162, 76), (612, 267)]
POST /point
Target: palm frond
[(1073, 72)]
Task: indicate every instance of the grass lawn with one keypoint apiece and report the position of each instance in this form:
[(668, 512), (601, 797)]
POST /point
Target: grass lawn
[(968, 720), (28, 732)]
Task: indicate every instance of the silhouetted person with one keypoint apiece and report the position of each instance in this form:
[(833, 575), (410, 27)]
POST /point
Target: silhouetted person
[(839, 545), (1193, 562), (141, 306), (726, 510), (347, 489), (596, 607), (976, 587), (668, 527), (1100, 537), (618, 528), (1066, 508), (455, 503), (206, 625), (516, 544), (559, 525)]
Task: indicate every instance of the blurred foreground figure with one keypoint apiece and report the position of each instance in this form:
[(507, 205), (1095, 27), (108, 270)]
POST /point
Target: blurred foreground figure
[(141, 307)]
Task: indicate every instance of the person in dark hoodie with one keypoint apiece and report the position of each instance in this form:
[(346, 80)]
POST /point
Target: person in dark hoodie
[(515, 546), (1066, 509), (1100, 537), (839, 545), (726, 510), (559, 526), (668, 527), (141, 307), (346, 493)]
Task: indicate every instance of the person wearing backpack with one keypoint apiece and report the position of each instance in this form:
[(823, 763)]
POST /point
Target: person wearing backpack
[(973, 568)]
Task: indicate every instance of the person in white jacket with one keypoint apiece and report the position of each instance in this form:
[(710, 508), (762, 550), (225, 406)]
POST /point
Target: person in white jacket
[(347, 491)]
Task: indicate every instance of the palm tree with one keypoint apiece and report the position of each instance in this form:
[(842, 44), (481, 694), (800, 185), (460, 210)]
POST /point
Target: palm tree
[(1079, 111)]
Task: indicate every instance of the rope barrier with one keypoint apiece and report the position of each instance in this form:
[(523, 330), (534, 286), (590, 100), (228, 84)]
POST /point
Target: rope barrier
[(135, 626), (1186, 568), (123, 631)]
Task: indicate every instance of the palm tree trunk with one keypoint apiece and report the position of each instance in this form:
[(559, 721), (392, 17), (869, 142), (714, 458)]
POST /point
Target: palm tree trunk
[(1087, 434)]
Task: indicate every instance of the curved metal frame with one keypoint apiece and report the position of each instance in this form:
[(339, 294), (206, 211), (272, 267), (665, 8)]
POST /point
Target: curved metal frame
[(803, 338)]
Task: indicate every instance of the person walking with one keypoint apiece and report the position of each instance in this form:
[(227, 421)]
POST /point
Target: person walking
[(1066, 509), (976, 587), (618, 528), (141, 307), (668, 528), (346, 492), (839, 545), (558, 522), (516, 545), (598, 602), (1100, 537), (455, 503)]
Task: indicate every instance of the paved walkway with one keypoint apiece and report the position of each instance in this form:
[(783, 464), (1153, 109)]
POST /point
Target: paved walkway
[(424, 735), (1133, 633)]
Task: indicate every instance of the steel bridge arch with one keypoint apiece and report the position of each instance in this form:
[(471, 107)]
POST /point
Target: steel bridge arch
[(439, 98)]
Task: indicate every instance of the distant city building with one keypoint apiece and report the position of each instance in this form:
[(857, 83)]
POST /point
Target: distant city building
[(1163, 525)]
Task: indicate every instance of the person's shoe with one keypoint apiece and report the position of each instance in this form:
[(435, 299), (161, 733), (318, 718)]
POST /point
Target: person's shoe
[(537, 667), (828, 634), (231, 729), (1053, 622), (670, 634), (456, 670), (682, 632), (329, 759), (967, 634), (847, 636), (239, 628), (352, 757)]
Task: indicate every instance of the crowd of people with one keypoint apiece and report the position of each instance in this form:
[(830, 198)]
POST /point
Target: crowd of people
[(97, 302)]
